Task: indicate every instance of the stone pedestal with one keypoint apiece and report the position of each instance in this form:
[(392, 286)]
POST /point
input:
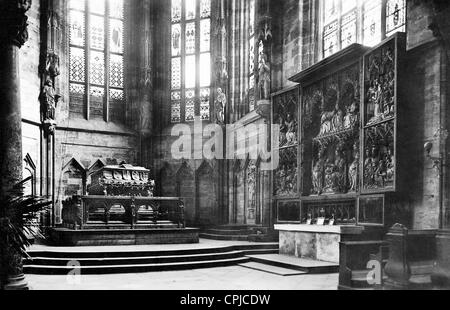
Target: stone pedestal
[(411, 258), (441, 273), (314, 241), (397, 268)]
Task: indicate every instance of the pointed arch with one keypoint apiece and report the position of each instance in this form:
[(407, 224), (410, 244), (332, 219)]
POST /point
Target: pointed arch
[(239, 191), (73, 179), (99, 164), (29, 175), (207, 210), (166, 185), (185, 188)]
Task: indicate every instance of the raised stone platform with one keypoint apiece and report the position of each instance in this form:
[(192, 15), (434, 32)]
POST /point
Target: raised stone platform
[(109, 237), (142, 258)]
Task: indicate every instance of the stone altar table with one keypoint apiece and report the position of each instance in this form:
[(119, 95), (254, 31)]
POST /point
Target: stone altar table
[(315, 241)]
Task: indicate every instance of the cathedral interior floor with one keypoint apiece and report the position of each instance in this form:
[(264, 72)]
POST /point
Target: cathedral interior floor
[(223, 278), (215, 278)]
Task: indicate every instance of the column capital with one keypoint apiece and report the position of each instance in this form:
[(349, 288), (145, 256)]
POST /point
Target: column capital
[(14, 22)]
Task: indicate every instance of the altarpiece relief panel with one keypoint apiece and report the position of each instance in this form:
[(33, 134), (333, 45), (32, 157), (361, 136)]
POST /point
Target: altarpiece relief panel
[(286, 116), (380, 111), (331, 133)]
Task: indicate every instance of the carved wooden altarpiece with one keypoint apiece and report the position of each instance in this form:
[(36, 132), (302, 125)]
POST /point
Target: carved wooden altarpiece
[(345, 151)]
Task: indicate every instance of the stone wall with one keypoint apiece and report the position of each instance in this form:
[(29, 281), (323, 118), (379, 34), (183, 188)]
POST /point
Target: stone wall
[(30, 89), (191, 176), (425, 65)]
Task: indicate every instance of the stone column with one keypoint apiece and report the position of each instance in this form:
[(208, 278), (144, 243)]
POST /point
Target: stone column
[(264, 48), (220, 110), (13, 34), (49, 98)]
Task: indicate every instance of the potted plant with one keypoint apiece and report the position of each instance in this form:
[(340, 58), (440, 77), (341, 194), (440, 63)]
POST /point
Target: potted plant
[(17, 224)]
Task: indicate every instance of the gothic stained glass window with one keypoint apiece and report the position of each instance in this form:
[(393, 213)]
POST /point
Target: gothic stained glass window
[(116, 36), (190, 7), (96, 38), (205, 74), (205, 35), (97, 68), (205, 8), (348, 30), (176, 40), (76, 31), (395, 16), (205, 95), (330, 39), (116, 9), (176, 73), (190, 38), (191, 60), (367, 22), (372, 22), (97, 32)]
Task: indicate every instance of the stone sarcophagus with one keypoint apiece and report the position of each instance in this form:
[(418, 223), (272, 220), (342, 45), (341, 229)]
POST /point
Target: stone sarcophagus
[(122, 180)]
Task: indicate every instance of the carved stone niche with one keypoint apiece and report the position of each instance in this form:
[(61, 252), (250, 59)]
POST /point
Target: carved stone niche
[(330, 124)]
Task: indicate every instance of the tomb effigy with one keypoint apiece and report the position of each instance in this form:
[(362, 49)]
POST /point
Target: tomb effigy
[(120, 208)]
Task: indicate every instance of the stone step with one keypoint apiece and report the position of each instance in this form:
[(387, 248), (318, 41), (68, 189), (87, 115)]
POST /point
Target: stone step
[(306, 265), (144, 260), (229, 232), (272, 269), (238, 227), (117, 269), (102, 252), (263, 238), (224, 237)]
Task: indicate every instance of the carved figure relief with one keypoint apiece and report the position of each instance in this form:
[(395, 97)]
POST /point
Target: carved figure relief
[(379, 159), (264, 74), (251, 191), (49, 101), (286, 177), (221, 102), (380, 84), (286, 116), (380, 81), (318, 174), (331, 121), (353, 170)]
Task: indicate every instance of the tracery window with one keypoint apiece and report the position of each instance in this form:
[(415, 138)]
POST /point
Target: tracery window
[(96, 39), (191, 60), (367, 22)]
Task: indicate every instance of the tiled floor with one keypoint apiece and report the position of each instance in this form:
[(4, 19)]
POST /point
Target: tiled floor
[(225, 278)]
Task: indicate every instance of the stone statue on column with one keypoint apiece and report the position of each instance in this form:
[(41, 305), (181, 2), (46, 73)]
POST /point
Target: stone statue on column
[(221, 102), (49, 101), (264, 76), (50, 67), (264, 81)]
